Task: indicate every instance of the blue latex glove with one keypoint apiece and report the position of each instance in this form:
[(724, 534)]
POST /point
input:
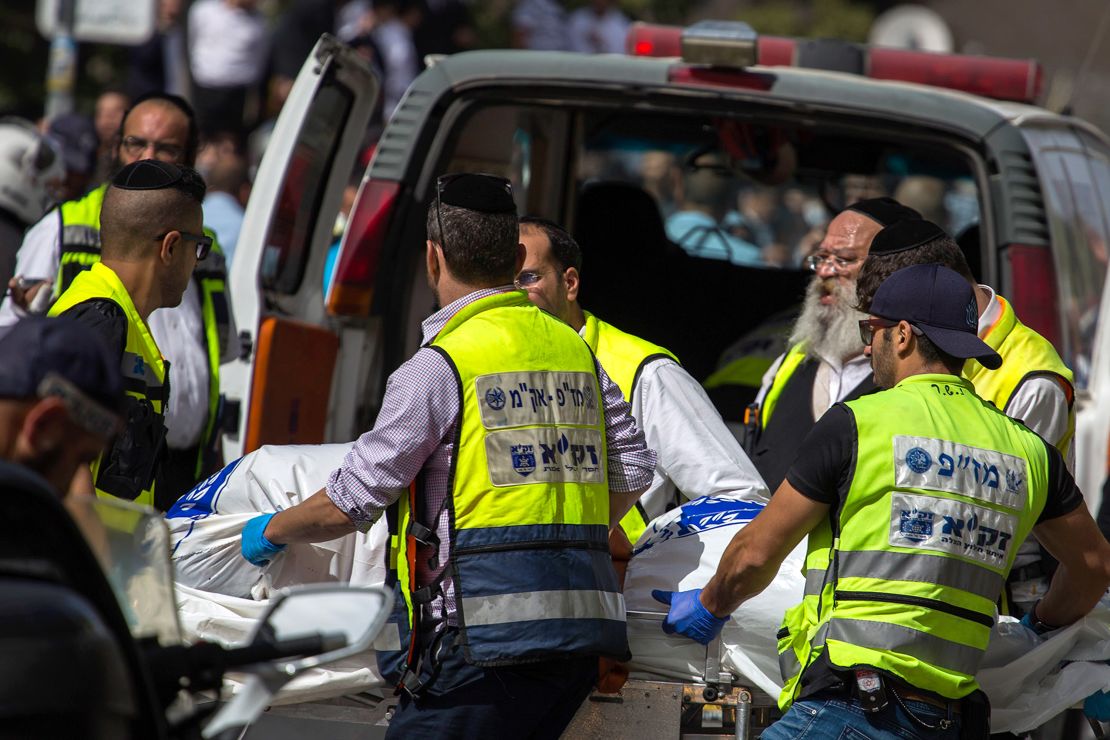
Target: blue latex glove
[(1097, 706), (688, 617), (255, 547)]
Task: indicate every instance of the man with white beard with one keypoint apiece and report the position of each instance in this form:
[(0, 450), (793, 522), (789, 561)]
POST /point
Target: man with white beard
[(825, 363)]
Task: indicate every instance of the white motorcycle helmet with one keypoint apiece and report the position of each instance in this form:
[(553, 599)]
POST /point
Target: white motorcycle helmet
[(29, 163)]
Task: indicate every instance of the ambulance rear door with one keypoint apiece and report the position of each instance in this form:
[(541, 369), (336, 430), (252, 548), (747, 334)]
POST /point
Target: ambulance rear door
[(279, 390)]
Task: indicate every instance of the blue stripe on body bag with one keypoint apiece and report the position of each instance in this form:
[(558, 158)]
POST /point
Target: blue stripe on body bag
[(203, 499)]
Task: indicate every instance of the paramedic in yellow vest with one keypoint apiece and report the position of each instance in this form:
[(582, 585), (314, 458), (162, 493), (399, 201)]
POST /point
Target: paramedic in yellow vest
[(196, 336), (824, 364), (501, 457), (698, 456), (915, 500), (151, 230), (1033, 385)]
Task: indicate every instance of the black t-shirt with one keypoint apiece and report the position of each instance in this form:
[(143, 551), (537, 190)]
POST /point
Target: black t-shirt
[(826, 459)]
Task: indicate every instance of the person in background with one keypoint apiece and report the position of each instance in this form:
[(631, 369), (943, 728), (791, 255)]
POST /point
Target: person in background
[(30, 169), (901, 587), (76, 136), (696, 224), (161, 63), (111, 104), (61, 396), (151, 225), (394, 21), (503, 512), (598, 28), (228, 50), (228, 192), (196, 337), (825, 362), (540, 25), (697, 455), (1033, 385)]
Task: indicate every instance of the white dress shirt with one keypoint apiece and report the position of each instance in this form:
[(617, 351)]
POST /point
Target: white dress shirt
[(228, 46), (696, 452)]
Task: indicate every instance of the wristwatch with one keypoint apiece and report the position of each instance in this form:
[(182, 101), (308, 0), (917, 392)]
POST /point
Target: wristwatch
[(1036, 624)]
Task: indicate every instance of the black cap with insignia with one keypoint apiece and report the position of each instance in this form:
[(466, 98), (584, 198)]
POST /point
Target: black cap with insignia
[(905, 235), (476, 192)]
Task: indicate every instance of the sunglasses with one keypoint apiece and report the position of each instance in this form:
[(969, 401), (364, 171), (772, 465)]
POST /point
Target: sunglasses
[(867, 328), (204, 242)]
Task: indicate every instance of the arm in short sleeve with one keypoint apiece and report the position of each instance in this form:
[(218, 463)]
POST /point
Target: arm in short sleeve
[(1063, 494), (820, 472)]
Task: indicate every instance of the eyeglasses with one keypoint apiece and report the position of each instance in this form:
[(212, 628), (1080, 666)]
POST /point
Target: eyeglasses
[(135, 145), (837, 263), (867, 328), (204, 242), (527, 278)]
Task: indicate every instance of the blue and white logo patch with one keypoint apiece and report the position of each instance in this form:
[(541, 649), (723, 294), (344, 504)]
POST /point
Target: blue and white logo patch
[(972, 314), (917, 526), (918, 460), (524, 459), (495, 397)]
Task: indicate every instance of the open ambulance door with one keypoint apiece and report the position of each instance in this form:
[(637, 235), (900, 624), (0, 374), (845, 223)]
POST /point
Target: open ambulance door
[(278, 391)]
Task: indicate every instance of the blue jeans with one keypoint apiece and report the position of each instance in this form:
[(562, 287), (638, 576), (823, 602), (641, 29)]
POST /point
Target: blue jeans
[(823, 718)]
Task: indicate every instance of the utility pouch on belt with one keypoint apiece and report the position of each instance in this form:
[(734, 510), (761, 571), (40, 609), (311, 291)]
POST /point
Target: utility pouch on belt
[(975, 716), (870, 690), (127, 469)]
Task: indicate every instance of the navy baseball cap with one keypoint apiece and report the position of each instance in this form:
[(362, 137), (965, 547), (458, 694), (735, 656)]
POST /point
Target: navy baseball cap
[(76, 135), (59, 356), (941, 304)]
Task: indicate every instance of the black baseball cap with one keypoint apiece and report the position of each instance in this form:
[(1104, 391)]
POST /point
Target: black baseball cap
[(941, 304), (59, 356), (76, 135)]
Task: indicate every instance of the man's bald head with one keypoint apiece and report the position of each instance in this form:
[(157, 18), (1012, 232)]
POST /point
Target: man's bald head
[(143, 202)]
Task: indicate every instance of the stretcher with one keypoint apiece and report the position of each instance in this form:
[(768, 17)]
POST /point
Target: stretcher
[(676, 687)]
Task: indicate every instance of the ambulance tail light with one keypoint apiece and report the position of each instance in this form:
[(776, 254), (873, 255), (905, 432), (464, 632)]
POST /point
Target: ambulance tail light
[(653, 40), (352, 284), (1033, 278)]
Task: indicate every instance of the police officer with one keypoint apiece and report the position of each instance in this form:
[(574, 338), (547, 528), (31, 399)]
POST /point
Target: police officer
[(151, 242), (824, 363), (61, 394), (1033, 385), (503, 456), (915, 500), (196, 336), (697, 454)]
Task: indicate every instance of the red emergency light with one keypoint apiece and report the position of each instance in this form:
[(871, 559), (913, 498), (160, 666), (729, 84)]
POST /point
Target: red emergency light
[(1018, 80)]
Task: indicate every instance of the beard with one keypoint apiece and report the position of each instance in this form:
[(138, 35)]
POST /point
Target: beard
[(882, 362), (829, 330)]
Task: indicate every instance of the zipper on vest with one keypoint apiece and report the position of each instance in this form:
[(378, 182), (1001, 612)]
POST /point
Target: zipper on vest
[(535, 545), (939, 606)]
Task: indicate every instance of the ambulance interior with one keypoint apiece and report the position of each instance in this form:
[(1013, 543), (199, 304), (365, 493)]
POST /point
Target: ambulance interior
[(620, 179)]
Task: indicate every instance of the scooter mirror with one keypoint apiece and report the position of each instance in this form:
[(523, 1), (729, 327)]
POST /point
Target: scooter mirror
[(345, 619)]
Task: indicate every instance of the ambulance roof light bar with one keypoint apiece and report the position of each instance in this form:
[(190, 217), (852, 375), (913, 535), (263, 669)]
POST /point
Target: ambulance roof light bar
[(724, 44)]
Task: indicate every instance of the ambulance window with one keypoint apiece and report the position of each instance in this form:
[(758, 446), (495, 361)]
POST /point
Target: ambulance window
[(289, 239), (1077, 189)]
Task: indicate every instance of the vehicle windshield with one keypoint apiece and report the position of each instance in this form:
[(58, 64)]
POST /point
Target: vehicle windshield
[(132, 545)]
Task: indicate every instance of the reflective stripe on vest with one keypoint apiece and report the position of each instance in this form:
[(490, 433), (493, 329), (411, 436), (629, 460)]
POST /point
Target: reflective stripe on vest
[(79, 249), (1025, 353), (529, 500), (927, 533), (794, 358), (142, 366), (624, 356)]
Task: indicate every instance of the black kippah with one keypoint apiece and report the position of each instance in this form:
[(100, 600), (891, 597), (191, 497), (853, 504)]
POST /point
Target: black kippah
[(883, 211), (147, 174), (153, 174), (905, 234), (477, 192)]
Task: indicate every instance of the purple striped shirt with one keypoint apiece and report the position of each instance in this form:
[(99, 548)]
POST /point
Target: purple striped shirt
[(415, 432)]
